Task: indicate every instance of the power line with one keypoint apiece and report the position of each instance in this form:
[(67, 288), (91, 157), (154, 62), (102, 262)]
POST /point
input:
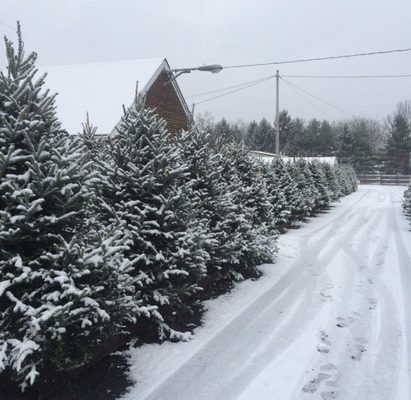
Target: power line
[(307, 100), (347, 76), (7, 26), (250, 83), (237, 90), (318, 98), (229, 87), (372, 53)]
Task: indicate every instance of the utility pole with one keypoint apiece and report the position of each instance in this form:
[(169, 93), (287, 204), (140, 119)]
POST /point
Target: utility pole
[(192, 115), (277, 115)]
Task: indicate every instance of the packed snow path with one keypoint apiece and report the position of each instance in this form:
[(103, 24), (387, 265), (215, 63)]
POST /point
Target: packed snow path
[(331, 319)]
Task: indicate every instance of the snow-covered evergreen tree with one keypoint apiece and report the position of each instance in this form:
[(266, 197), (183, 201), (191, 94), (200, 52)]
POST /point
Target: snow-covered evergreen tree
[(332, 181), (96, 148), (209, 197), (255, 224), (349, 170), (321, 185), (62, 289), (276, 191), (406, 202), (143, 186), (289, 186), (344, 181), (301, 176)]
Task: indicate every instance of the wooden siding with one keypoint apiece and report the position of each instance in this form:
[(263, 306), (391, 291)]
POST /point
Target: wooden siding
[(163, 97)]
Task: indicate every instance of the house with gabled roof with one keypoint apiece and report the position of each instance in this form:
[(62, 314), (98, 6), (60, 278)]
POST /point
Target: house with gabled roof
[(101, 89)]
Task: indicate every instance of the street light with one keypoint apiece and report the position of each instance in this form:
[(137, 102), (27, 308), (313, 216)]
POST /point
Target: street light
[(175, 73)]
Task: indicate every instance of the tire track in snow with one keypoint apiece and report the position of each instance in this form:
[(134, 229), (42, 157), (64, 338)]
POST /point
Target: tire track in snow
[(375, 304), (271, 312), (338, 210), (346, 341), (404, 263), (345, 256), (374, 373)]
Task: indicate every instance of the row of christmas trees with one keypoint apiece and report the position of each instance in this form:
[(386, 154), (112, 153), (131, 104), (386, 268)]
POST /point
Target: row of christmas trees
[(97, 236), (406, 202)]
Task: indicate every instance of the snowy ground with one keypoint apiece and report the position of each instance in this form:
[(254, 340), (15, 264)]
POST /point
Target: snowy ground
[(331, 319)]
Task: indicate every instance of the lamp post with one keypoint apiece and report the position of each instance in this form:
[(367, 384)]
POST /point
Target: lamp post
[(175, 73)]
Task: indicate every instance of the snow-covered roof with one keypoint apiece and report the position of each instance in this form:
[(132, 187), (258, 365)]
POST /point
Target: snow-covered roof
[(268, 157), (99, 89), (326, 160)]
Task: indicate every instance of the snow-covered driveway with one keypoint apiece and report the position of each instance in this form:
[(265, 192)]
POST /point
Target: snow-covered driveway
[(331, 319)]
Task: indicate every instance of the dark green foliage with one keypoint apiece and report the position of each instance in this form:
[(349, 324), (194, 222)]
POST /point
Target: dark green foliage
[(143, 184), (225, 132), (62, 288), (279, 192), (247, 186), (315, 139), (289, 188), (321, 184), (301, 175), (97, 234), (347, 180), (229, 197), (261, 137), (359, 141), (399, 141), (331, 181), (406, 202)]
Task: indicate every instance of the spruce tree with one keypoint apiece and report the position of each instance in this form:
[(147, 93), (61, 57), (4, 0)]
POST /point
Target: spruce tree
[(142, 185), (62, 288), (346, 179), (301, 175), (351, 176), (277, 196), (332, 181), (406, 202), (320, 184), (211, 200), (261, 137), (398, 144), (289, 186), (255, 223)]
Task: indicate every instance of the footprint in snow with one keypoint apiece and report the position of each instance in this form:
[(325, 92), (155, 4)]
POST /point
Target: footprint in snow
[(379, 262), (313, 385), (372, 303), (332, 369), (324, 337), (360, 350), (323, 348), (370, 281), (328, 367), (326, 298), (344, 322)]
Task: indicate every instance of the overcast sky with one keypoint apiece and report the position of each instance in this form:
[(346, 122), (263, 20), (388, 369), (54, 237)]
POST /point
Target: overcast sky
[(190, 33)]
